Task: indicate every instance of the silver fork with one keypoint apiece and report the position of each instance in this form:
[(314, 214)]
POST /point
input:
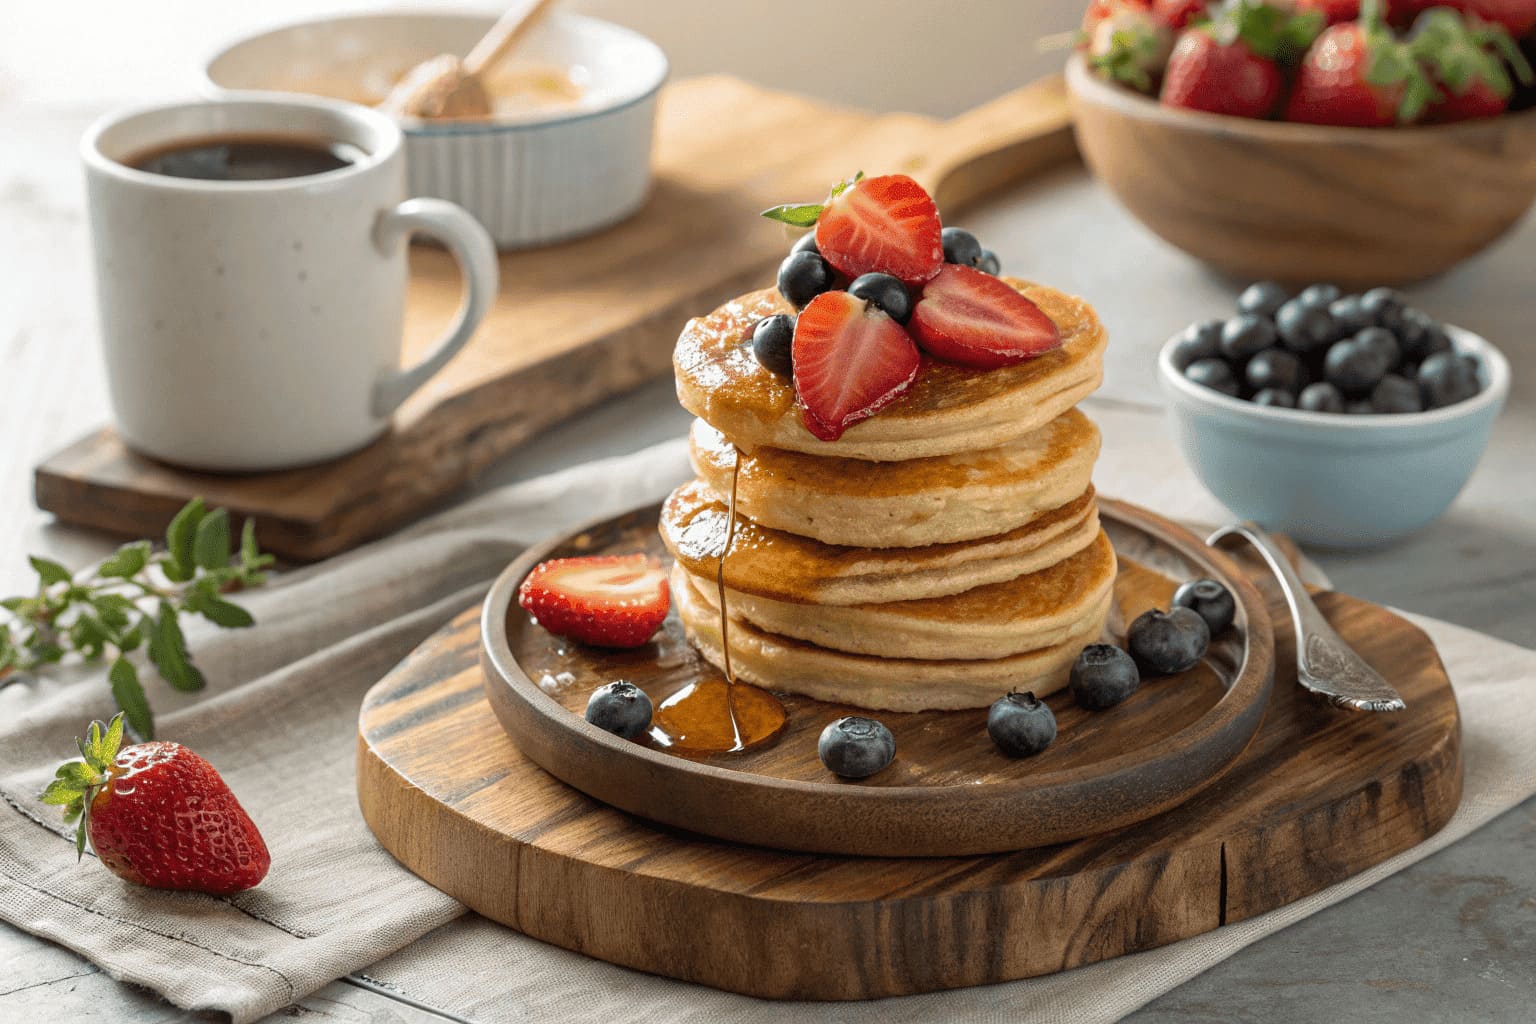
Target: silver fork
[(1325, 664)]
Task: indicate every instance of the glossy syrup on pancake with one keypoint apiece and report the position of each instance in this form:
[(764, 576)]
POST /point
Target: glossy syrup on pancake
[(715, 715)]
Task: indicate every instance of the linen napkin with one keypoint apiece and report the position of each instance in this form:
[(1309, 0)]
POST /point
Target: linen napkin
[(279, 721)]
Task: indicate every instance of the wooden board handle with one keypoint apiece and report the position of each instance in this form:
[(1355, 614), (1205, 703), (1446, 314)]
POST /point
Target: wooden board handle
[(999, 143)]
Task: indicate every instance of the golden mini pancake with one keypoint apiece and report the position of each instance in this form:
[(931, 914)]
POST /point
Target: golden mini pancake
[(784, 567), (886, 684), (947, 409), (942, 499), (1001, 619)]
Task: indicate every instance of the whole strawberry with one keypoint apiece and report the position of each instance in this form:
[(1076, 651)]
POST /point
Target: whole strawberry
[(156, 814), (1232, 65), (1470, 62), (1359, 75), (1125, 42)]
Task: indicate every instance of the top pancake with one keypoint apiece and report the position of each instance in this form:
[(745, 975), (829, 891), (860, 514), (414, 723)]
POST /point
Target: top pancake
[(946, 410)]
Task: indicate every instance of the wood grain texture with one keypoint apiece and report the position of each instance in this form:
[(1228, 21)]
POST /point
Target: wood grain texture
[(949, 791), (1302, 203), (1318, 796), (580, 322)]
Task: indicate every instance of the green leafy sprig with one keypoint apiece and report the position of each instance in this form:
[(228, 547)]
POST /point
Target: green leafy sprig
[(136, 599), (76, 784), (805, 215)]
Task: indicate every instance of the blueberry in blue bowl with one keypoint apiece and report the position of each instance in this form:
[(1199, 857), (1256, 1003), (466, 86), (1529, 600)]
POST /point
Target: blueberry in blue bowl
[(1391, 417)]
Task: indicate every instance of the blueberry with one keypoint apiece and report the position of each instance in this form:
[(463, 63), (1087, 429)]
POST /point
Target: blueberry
[(1275, 397), (960, 246), (1397, 395), (803, 276), (856, 748), (1167, 642), (1197, 341), (1245, 336), (1322, 295), (1383, 341), (1320, 397), (1303, 328), (1353, 368), (1214, 374), (772, 341), (1210, 600), (1276, 369), (989, 263), (884, 291), (1349, 316), (1421, 337), (621, 708), (1384, 306), (1021, 724), (1360, 407), (1445, 379), (1102, 676), (1263, 298), (806, 243)]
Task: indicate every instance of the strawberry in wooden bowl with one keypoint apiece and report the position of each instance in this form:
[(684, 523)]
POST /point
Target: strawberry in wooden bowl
[(1359, 142)]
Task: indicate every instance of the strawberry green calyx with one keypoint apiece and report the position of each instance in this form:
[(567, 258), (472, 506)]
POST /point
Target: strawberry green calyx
[(1269, 31), (1465, 53), (1392, 65), (1128, 58), (76, 784), (805, 215)]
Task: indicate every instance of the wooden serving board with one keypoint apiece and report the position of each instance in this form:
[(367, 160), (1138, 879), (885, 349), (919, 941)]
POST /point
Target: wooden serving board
[(1319, 795), (949, 792), (581, 322)]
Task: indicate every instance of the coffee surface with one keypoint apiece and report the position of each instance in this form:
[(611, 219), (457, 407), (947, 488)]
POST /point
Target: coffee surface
[(246, 158)]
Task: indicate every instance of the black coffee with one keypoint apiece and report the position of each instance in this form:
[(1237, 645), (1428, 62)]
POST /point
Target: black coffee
[(246, 158)]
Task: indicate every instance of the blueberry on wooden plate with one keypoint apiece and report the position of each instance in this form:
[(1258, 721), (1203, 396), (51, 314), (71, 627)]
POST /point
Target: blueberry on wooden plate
[(621, 708), (1208, 599), (772, 342), (1021, 724), (855, 747), (1102, 676), (1164, 643)]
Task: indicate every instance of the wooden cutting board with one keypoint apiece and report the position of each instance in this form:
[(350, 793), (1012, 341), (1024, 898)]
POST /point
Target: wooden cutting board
[(584, 321), (1319, 795)]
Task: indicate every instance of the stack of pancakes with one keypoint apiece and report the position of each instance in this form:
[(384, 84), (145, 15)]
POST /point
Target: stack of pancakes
[(935, 556)]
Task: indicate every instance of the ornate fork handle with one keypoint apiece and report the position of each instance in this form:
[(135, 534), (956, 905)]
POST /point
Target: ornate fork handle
[(1325, 664)]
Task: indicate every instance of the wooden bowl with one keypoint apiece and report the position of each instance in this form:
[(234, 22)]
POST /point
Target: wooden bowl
[(1300, 203)]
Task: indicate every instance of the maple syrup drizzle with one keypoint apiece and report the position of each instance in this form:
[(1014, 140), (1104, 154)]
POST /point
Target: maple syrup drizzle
[(713, 715)]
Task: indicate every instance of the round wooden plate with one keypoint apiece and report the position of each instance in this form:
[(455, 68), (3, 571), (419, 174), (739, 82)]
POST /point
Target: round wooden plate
[(949, 791)]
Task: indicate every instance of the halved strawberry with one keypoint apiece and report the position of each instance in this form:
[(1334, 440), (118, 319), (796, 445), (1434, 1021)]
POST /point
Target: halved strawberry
[(886, 224), (850, 360), (603, 600), (977, 320)]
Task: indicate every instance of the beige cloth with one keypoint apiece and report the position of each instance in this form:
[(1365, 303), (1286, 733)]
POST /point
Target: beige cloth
[(279, 720)]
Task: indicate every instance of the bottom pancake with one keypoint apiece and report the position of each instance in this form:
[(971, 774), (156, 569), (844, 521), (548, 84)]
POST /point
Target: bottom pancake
[(885, 684), (1001, 619)]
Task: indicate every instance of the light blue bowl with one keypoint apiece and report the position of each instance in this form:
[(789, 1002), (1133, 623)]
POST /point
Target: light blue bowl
[(1336, 480)]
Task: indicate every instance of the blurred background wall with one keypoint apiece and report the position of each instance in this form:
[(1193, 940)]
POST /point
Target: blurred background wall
[(930, 56)]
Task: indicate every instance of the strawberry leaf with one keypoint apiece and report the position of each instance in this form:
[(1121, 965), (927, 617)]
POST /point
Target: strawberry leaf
[(802, 215), (129, 695), (61, 792)]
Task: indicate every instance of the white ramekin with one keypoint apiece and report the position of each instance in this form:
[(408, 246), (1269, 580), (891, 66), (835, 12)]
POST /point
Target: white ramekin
[(531, 180)]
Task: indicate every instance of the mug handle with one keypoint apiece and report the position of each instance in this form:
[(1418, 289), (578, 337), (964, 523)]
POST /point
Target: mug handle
[(471, 246)]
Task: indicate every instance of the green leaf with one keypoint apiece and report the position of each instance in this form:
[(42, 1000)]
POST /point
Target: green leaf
[(179, 539), (128, 561), (80, 839), (210, 546), (800, 215), (62, 792), (112, 741), (45, 652), (18, 605), (219, 611), (114, 610), (89, 635), (168, 650), (131, 639), (130, 697), (50, 572), (249, 550)]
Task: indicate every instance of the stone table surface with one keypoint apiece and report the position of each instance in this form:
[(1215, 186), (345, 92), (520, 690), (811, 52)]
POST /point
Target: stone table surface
[(1450, 939)]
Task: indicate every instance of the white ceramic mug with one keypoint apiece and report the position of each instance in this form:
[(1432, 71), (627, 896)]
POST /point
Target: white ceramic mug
[(252, 325)]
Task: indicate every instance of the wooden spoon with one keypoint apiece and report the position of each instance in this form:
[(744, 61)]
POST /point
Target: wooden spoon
[(447, 87)]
